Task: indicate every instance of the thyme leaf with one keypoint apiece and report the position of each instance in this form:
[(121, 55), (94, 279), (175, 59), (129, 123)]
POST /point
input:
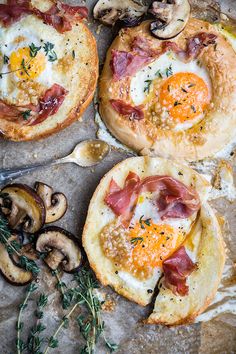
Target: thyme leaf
[(34, 50)]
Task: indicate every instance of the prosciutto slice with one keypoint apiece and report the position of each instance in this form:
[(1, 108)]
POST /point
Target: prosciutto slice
[(174, 200), (121, 200), (13, 11), (60, 16), (125, 109), (194, 46), (50, 103), (125, 64), (47, 106), (176, 270)]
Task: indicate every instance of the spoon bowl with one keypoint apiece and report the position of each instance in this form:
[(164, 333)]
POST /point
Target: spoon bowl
[(90, 152)]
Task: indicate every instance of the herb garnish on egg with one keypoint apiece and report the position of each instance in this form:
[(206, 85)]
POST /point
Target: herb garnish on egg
[(48, 48), (34, 50)]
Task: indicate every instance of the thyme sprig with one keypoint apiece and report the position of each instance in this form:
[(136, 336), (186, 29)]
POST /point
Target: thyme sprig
[(13, 247), (91, 326), (20, 345)]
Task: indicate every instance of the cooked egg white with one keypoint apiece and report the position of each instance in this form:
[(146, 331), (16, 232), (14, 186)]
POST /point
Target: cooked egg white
[(160, 66), (43, 70), (164, 67)]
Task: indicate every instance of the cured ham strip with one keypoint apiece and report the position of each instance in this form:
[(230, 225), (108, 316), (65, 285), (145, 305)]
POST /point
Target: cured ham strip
[(50, 103), (60, 16), (47, 106), (142, 46), (194, 46), (13, 11), (125, 109), (126, 64), (121, 201), (176, 270), (175, 200)]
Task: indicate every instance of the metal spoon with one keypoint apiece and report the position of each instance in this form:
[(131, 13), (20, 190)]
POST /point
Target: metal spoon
[(86, 154)]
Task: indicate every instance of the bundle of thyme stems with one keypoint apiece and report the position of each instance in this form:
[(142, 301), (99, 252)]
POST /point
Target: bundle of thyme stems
[(90, 324), (82, 296)]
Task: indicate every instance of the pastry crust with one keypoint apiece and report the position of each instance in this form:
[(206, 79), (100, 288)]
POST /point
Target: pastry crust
[(80, 80), (204, 243), (203, 283), (99, 215), (205, 138)]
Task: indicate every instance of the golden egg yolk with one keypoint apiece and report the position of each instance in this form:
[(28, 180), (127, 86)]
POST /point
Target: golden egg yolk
[(25, 66), (185, 96), (153, 243)]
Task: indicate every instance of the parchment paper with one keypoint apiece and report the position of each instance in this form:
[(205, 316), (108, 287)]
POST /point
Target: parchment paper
[(122, 324)]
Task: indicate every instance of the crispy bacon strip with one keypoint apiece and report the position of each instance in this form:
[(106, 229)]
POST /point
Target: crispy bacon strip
[(126, 64), (127, 110), (48, 105), (176, 270), (60, 16), (175, 200)]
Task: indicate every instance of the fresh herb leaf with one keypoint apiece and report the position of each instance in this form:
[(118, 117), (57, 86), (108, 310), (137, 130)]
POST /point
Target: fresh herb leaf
[(112, 346), (158, 73), (135, 240), (34, 50), (183, 89), (148, 85), (48, 48), (73, 54), (177, 103), (169, 71), (29, 265), (26, 114), (5, 59), (52, 56), (180, 19), (24, 68)]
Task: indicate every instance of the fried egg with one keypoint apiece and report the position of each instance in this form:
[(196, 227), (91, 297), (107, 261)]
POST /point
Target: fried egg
[(174, 93), (31, 60), (139, 250)]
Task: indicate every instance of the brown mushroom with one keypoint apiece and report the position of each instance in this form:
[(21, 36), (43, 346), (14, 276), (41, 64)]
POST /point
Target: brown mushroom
[(171, 16), (23, 208), (13, 273), (55, 203), (128, 11), (62, 248)]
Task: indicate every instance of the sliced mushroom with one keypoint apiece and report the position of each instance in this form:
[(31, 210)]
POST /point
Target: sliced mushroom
[(25, 208), (13, 273), (62, 248), (171, 16), (55, 203), (128, 11)]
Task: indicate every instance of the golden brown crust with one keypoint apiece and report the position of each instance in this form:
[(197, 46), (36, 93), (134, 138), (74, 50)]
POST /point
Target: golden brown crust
[(99, 215), (61, 119), (204, 139), (203, 283)]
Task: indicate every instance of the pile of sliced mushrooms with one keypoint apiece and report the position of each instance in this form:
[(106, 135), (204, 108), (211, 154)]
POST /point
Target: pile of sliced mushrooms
[(27, 211), (170, 16)]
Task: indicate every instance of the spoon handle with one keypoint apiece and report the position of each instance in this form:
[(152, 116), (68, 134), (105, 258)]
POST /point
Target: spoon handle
[(7, 175)]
